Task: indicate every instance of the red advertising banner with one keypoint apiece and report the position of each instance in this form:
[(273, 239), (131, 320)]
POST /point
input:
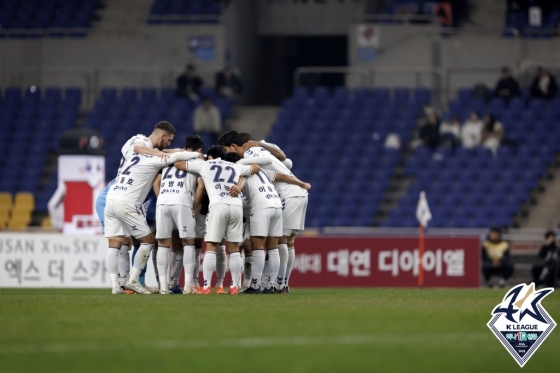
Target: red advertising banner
[(385, 261)]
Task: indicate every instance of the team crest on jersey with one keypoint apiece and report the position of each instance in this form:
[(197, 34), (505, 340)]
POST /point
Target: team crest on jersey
[(521, 323)]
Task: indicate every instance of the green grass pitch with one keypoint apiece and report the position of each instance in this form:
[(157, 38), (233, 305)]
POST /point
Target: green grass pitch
[(310, 330)]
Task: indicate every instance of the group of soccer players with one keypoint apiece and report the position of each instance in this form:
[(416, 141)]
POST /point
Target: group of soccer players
[(238, 194)]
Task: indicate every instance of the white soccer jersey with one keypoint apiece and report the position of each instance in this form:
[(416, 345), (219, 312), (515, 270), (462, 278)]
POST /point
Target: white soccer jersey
[(139, 139), (284, 189), (219, 176), (177, 187), (137, 175), (261, 192)]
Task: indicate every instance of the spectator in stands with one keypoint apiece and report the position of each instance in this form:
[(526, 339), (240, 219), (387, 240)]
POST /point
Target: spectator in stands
[(189, 84), (544, 274), (496, 258), (450, 132), (429, 133), (507, 87), (544, 85), (471, 133), (207, 119), (492, 133), (229, 84)]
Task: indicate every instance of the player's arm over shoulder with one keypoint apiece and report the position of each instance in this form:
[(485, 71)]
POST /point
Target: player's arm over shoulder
[(292, 180), (193, 165), (246, 170)]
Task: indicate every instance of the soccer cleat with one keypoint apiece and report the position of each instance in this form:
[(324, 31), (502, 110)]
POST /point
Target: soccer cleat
[(118, 290), (220, 290), (151, 290), (205, 291), (233, 290), (285, 290), (176, 290), (137, 287), (189, 291), (166, 292), (269, 290), (251, 290), (129, 292), (197, 289)]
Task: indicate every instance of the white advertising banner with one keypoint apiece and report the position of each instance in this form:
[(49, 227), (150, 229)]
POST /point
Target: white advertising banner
[(56, 261)]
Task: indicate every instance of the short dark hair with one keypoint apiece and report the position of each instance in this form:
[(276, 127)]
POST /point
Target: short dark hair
[(232, 157), (216, 151), (231, 137), (245, 137), (194, 142), (549, 233), (191, 67), (165, 126), (496, 230), (505, 69)]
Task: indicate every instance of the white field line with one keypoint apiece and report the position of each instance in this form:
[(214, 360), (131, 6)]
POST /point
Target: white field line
[(244, 342)]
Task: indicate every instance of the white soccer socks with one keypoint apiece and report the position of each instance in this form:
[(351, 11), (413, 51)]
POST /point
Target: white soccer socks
[(283, 252), (235, 267), (208, 267), (291, 259), (124, 264), (113, 266), (163, 265), (257, 267), (176, 267), (189, 257), (140, 261), (221, 266), (247, 268), (273, 263)]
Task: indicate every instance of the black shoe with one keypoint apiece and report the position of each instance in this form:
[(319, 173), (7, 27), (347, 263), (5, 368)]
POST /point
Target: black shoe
[(251, 290), (270, 290), (285, 290)]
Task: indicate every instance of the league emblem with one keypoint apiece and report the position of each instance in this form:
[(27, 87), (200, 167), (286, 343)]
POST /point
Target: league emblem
[(521, 323)]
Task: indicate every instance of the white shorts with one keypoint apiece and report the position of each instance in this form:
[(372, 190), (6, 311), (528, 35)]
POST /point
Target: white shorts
[(124, 218), (266, 223), (200, 222), (174, 217), (224, 220), (293, 214)]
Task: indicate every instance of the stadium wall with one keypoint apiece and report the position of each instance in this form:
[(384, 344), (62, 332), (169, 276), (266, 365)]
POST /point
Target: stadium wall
[(426, 47), (164, 49)]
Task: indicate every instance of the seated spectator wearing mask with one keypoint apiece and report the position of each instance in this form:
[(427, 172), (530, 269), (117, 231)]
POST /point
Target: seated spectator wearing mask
[(492, 133), (471, 133), (507, 87), (450, 132), (544, 85), (189, 84), (229, 84), (543, 274), (496, 258), (429, 133)]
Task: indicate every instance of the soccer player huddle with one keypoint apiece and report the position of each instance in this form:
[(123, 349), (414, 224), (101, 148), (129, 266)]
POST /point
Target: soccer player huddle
[(238, 194)]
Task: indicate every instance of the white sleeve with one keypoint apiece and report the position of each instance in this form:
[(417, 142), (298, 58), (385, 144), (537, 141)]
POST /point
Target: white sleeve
[(181, 156), (288, 163), (270, 174), (243, 170), (195, 166), (263, 160)]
